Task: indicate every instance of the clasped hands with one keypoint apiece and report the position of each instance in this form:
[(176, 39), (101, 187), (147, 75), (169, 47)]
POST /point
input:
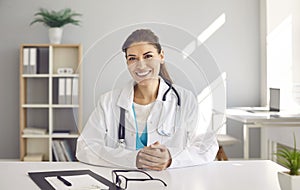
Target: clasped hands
[(154, 157)]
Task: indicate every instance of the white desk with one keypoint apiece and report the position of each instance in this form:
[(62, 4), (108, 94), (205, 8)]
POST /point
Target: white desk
[(262, 120), (233, 175)]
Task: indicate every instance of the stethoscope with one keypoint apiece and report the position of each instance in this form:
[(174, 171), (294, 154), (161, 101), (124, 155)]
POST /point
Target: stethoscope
[(121, 132)]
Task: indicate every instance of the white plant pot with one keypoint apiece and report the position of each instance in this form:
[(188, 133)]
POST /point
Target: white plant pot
[(55, 35), (288, 182)]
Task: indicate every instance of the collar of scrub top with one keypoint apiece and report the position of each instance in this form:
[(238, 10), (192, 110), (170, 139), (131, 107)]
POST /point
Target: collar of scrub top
[(125, 99)]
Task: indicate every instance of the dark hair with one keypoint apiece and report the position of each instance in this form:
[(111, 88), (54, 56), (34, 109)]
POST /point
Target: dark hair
[(146, 35)]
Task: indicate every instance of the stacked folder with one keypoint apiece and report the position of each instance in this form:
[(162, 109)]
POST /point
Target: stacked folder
[(68, 91), (35, 60)]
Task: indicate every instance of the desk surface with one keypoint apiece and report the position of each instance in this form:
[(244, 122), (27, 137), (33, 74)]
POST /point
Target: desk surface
[(233, 175), (246, 115), (265, 120)]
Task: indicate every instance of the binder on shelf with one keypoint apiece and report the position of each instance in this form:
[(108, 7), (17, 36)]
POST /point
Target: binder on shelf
[(54, 153), (26, 61), (75, 91), (67, 150), (42, 60), (61, 91), (59, 150), (33, 60), (40, 178), (68, 90)]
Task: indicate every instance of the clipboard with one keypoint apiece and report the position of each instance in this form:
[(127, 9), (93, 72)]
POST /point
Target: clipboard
[(41, 182)]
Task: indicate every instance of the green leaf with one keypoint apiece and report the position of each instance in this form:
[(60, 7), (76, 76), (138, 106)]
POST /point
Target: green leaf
[(289, 158), (56, 18)]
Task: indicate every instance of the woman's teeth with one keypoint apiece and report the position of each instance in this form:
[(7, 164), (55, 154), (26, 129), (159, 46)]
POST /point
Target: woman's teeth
[(142, 74)]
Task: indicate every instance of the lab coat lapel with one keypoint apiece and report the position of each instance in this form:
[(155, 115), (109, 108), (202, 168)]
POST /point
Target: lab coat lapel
[(158, 116), (125, 100)]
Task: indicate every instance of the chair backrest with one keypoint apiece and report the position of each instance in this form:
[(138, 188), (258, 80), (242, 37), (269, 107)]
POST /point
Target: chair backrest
[(212, 106)]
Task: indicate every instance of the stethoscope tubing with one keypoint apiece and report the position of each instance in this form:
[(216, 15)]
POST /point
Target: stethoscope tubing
[(121, 130)]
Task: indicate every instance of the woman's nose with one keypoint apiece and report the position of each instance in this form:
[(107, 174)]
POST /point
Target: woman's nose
[(141, 63)]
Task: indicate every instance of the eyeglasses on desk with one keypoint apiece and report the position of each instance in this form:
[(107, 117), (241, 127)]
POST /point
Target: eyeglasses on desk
[(119, 178)]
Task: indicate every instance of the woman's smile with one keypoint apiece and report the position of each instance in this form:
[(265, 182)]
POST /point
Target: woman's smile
[(143, 73)]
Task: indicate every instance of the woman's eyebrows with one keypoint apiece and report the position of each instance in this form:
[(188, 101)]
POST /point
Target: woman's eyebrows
[(143, 54)]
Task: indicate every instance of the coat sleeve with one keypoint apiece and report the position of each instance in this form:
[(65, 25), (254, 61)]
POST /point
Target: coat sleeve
[(201, 147), (92, 145)]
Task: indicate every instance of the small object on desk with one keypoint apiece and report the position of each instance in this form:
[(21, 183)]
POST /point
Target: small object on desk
[(64, 181), (275, 115)]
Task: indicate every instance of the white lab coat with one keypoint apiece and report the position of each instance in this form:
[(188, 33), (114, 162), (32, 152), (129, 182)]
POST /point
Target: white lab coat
[(98, 143)]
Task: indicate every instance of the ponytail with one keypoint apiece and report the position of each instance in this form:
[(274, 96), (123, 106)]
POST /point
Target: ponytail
[(163, 73)]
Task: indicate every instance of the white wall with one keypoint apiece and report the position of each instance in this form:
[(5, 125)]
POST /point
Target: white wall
[(234, 47)]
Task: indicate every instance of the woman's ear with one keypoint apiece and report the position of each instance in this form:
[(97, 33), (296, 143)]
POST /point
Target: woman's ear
[(162, 56)]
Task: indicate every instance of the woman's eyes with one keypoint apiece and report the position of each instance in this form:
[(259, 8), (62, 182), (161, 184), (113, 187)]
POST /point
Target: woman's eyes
[(131, 58), (148, 56)]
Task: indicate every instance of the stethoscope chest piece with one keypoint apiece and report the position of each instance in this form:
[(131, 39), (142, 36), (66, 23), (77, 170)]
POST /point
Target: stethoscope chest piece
[(121, 143), (162, 132)]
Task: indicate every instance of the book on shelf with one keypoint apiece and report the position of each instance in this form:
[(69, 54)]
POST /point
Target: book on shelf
[(54, 153), (61, 132), (34, 131), (67, 150), (35, 157), (60, 156), (62, 151)]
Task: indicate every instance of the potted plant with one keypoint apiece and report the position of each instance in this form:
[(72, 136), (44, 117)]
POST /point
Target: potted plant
[(289, 158), (55, 20)]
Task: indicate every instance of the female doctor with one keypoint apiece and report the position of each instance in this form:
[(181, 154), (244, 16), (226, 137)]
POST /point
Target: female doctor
[(150, 123)]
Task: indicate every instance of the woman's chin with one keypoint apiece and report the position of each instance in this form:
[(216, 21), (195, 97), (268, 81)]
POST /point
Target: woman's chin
[(146, 81)]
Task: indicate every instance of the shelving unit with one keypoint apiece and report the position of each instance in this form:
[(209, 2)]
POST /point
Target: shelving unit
[(39, 98)]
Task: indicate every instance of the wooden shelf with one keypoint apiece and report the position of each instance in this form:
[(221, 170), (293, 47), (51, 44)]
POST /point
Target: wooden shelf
[(39, 97), (64, 106), (35, 106), (65, 136), (32, 136), (65, 75), (35, 75)]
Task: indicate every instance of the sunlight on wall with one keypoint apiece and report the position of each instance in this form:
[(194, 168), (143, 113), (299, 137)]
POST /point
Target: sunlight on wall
[(280, 60), (280, 63), (210, 109), (211, 29), (207, 33)]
